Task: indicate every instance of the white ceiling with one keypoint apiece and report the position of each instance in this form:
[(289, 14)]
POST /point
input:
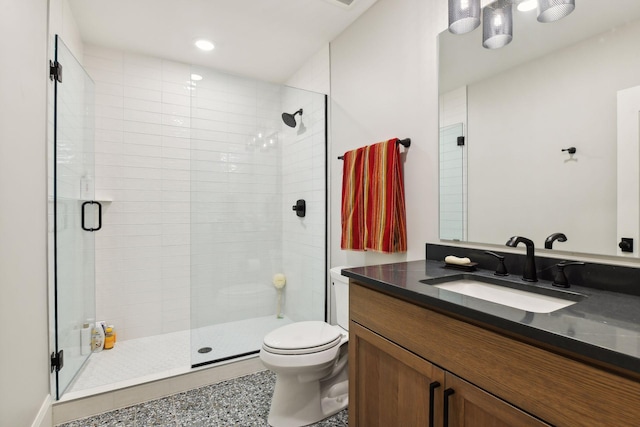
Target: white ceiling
[(264, 39)]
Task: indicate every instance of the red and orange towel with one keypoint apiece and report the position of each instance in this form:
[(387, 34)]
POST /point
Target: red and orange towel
[(373, 208), (353, 200)]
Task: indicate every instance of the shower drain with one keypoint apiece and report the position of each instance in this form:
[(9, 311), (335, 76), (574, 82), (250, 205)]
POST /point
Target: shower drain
[(204, 350)]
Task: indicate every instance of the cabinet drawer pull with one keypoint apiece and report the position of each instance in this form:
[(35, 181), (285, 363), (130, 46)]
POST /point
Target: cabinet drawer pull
[(434, 385), (448, 392)]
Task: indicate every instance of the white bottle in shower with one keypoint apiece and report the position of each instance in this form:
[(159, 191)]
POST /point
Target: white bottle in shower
[(85, 339), (86, 188), (97, 338)]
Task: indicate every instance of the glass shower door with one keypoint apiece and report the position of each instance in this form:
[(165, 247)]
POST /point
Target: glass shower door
[(452, 191), (75, 215)]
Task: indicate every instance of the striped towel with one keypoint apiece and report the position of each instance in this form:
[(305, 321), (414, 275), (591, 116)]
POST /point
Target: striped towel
[(353, 200), (385, 213), (373, 209)]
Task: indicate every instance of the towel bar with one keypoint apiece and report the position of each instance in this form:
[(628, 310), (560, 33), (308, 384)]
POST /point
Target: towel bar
[(404, 142)]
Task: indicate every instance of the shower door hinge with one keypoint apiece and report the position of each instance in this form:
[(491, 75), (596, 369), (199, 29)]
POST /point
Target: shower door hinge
[(57, 361), (55, 71)]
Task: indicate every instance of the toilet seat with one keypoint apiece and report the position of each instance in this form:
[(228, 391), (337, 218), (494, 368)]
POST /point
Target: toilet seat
[(302, 338)]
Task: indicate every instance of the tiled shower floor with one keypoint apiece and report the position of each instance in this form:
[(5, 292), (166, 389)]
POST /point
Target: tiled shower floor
[(240, 402), (146, 359), (234, 338)]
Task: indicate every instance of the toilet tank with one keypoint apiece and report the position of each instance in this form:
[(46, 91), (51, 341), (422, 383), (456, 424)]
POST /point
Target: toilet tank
[(340, 285)]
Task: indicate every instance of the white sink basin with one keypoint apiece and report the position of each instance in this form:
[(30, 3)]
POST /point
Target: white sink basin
[(516, 298)]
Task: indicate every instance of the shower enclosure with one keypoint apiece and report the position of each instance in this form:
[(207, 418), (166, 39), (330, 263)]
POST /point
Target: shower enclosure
[(247, 171), (197, 174)]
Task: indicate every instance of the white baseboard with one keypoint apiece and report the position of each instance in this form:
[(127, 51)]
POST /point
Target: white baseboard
[(45, 414)]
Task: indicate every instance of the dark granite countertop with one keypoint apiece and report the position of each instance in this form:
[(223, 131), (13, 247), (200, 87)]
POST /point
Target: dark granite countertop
[(603, 326)]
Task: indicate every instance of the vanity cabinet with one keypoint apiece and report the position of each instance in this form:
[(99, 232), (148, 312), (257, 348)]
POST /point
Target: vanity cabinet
[(470, 406), (405, 359), (394, 387), (390, 384)]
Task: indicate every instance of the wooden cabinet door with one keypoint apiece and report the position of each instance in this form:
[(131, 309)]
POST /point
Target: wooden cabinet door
[(471, 406), (390, 386)]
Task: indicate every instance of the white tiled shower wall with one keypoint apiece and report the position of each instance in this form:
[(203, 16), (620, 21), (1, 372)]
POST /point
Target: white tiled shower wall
[(142, 165), (236, 196), (192, 193)]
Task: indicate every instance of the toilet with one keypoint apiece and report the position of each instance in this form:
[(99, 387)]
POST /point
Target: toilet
[(310, 362)]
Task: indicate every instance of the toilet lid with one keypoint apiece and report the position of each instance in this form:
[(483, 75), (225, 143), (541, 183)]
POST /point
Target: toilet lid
[(302, 338)]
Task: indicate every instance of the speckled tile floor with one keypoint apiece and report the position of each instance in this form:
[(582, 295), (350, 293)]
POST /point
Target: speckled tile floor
[(239, 402)]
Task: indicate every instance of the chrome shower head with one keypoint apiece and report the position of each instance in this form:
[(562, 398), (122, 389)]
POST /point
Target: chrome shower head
[(290, 119)]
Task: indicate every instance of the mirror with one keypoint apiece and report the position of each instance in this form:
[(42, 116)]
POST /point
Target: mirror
[(520, 108)]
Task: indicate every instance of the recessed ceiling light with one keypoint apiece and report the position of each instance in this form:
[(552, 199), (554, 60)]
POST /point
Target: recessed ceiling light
[(527, 5), (204, 45), (196, 77)]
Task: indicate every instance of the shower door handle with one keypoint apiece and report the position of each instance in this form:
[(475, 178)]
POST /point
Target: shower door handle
[(91, 202)]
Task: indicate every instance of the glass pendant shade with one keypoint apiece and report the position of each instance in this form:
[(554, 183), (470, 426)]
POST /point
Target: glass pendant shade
[(497, 26), (464, 15), (552, 10)]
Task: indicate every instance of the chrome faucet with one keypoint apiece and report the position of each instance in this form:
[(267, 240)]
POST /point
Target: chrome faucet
[(529, 274)]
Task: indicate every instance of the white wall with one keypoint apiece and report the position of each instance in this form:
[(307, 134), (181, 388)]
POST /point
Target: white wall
[(384, 85), (24, 370), (63, 23), (314, 74)]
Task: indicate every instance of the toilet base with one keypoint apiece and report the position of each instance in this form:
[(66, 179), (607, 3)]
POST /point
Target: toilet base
[(296, 403), (304, 404)]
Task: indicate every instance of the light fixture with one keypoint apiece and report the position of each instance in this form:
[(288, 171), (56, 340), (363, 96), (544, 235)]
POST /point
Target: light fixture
[(196, 77), (497, 26), (527, 5), (464, 15), (552, 10), (205, 45)]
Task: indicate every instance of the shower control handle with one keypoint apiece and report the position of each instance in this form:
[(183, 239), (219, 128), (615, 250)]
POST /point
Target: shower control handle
[(300, 208)]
